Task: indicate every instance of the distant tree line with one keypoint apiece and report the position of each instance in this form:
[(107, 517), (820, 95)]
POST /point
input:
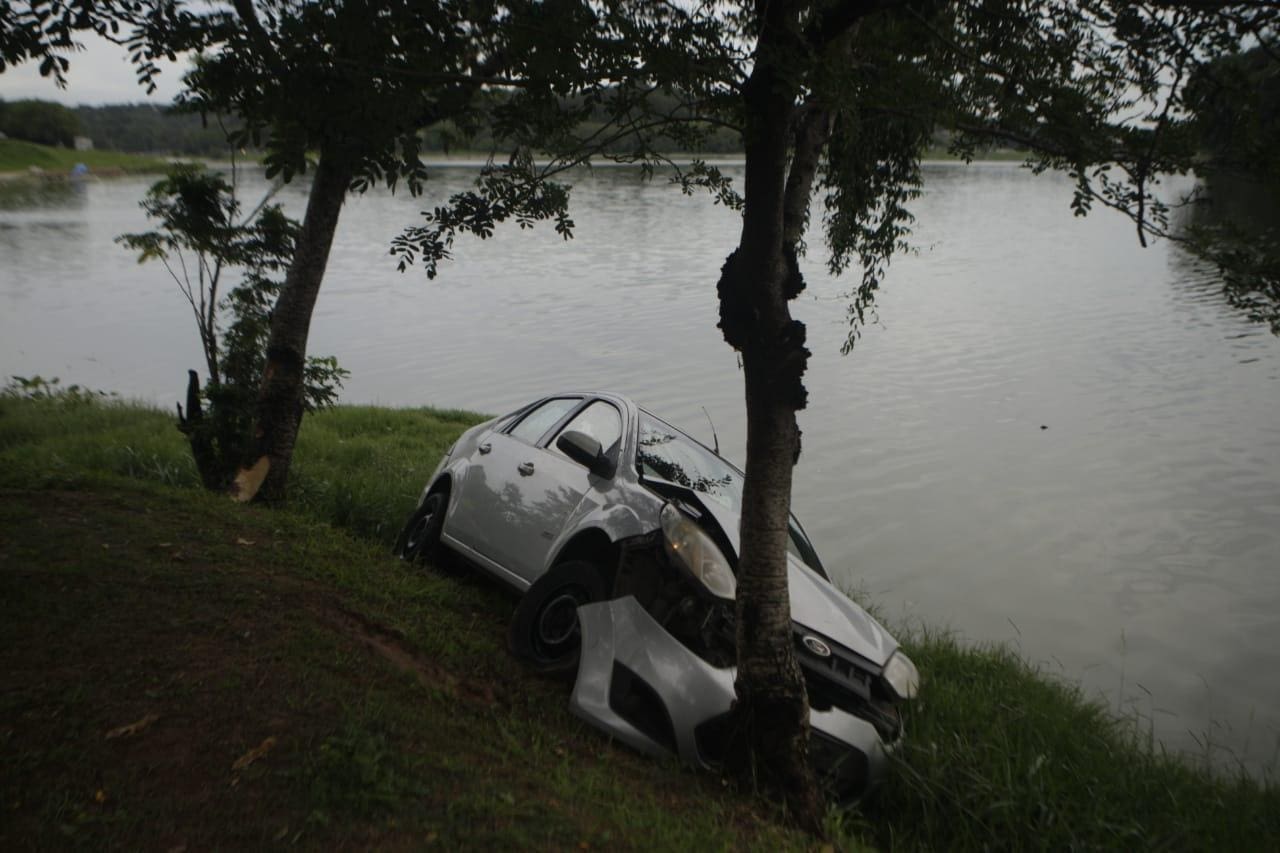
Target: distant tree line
[(43, 122), (1237, 102), (150, 129), (447, 136)]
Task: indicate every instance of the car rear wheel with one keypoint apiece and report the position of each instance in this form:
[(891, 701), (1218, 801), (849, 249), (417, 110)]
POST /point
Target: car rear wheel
[(544, 629), (419, 541)]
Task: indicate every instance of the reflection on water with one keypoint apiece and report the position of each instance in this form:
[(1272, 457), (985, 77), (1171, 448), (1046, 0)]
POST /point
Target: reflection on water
[(26, 194), (1049, 428), (1242, 205)]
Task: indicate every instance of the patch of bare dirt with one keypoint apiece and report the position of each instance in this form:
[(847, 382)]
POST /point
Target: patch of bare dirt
[(386, 644)]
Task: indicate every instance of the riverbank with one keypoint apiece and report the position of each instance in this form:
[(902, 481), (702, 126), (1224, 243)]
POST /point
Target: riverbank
[(19, 159), (100, 498)]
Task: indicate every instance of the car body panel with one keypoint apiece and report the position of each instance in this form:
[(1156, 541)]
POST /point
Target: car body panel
[(517, 525), (825, 609), (524, 492), (828, 611), (501, 519), (693, 692)]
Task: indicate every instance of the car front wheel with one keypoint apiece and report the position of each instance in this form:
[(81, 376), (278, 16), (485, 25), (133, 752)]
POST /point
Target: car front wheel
[(420, 539), (544, 629)]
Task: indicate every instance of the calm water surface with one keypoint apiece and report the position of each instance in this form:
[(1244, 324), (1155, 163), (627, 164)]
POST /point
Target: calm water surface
[(1133, 545)]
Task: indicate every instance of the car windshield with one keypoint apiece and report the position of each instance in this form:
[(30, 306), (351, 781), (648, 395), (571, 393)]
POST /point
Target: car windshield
[(663, 451)]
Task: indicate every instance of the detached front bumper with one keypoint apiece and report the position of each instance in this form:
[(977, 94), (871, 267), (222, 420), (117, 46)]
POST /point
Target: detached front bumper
[(645, 688)]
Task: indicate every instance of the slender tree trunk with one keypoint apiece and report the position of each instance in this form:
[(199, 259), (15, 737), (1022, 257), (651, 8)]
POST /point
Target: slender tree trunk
[(280, 398), (759, 278)]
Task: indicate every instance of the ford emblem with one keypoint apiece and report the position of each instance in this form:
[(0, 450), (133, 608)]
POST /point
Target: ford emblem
[(816, 646)]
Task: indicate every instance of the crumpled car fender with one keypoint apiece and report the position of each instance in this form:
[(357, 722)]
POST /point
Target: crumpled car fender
[(619, 637), (622, 632)]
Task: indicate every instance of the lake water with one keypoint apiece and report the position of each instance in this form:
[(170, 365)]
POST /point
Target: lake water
[(1132, 545)]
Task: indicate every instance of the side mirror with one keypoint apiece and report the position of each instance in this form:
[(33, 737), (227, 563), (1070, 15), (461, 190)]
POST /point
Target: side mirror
[(585, 450)]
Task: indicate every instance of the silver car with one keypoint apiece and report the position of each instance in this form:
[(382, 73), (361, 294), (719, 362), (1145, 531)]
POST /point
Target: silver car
[(621, 532)]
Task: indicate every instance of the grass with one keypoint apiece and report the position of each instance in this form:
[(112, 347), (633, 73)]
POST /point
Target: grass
[(289, 683), (359, 468), (19, 156), (378, 700), (1002, 754), (998, 754)]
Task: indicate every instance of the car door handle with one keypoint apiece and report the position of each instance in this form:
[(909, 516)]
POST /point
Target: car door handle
[(485, 448), (525, 468)]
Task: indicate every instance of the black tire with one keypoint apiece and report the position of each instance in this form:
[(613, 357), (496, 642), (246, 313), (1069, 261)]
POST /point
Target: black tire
[(544, 629), (419, 541)]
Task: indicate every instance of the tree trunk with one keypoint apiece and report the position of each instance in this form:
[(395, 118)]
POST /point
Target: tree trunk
[(195, 427), (280, 398), (772, 711)]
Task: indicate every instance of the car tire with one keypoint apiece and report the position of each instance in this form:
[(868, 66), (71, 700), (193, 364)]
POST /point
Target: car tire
[(544, 629), (419, 541)]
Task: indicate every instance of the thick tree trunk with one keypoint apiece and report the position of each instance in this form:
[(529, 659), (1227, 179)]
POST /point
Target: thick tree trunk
[(280, 399), (757, 281)]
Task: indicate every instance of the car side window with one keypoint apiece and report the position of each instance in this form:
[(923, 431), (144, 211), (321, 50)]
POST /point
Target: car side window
[(599, 420), (533, 425)]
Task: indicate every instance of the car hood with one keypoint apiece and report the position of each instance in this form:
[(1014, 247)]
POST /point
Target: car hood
[(816, 604)]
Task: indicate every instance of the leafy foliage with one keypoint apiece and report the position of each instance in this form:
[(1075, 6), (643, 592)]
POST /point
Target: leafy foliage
[(199, 217), (42, 122), (1236, 100)]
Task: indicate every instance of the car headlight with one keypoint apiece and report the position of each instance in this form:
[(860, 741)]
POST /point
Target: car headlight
[(689, 546), (902, 676)]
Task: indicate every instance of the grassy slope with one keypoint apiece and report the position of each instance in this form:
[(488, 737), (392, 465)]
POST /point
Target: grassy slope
[(357, 467), (18, 156), (397, 719), (997, 753)]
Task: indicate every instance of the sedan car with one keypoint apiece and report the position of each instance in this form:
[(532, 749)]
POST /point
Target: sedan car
[(621, 531)]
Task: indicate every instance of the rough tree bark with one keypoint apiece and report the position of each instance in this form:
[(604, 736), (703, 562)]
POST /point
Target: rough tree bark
[(280, 399), (756, 283)]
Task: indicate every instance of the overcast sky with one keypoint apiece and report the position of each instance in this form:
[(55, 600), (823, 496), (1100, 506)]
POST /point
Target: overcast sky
[(100, 74)]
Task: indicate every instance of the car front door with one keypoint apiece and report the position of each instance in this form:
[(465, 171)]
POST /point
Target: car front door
[(519, 493), (489, 498)]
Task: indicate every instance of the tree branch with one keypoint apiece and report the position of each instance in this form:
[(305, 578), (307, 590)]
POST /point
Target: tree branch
[(813, 129), (834, 21), (259, 36), (473, 81)]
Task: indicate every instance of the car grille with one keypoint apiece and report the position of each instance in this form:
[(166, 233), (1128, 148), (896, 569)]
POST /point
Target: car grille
[(847, 681)]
